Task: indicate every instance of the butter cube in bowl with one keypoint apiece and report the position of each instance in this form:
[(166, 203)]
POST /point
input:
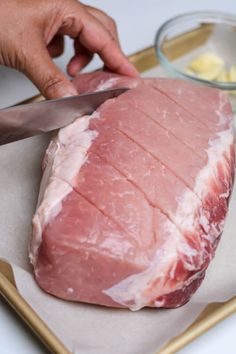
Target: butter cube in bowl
[(201, 47)]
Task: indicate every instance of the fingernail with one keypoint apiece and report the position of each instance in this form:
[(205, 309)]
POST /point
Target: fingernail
[(132, 71), (70, 93)]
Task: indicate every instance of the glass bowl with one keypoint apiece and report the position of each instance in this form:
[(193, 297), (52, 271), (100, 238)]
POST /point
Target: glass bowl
[(186, 38)]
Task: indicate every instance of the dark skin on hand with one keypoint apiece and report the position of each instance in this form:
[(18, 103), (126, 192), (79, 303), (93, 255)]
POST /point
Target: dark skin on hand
[(32, 31)]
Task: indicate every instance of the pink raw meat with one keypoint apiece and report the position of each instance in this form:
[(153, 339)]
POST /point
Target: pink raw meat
[(134, 197)]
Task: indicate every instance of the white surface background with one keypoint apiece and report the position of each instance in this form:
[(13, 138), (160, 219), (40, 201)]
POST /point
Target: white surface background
[(137, 21)]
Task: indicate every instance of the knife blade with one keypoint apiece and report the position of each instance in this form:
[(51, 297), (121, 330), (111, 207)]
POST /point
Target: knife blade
[(23, 121)]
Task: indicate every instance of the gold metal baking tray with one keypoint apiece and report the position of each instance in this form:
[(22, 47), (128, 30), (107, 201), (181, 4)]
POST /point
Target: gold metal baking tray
[(213, 313)]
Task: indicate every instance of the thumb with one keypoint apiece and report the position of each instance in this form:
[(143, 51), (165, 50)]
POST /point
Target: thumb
[(48, 78)]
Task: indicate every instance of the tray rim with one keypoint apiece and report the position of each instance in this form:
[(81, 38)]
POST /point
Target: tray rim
[(209, 317), (212, 314)]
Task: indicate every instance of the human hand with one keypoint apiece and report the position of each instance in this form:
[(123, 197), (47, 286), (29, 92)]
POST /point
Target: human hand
[(31, 30)]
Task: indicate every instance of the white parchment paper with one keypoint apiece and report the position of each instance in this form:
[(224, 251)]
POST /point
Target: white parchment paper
[(89, 329)]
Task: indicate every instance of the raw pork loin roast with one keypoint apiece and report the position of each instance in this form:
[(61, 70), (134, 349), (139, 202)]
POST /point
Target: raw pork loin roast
[(134, 197)]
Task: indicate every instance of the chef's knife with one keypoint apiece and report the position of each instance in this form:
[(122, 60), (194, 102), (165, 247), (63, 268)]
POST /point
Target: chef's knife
[(27, 120)]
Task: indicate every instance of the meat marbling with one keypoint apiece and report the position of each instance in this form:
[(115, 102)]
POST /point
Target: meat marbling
[(134, 197)]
